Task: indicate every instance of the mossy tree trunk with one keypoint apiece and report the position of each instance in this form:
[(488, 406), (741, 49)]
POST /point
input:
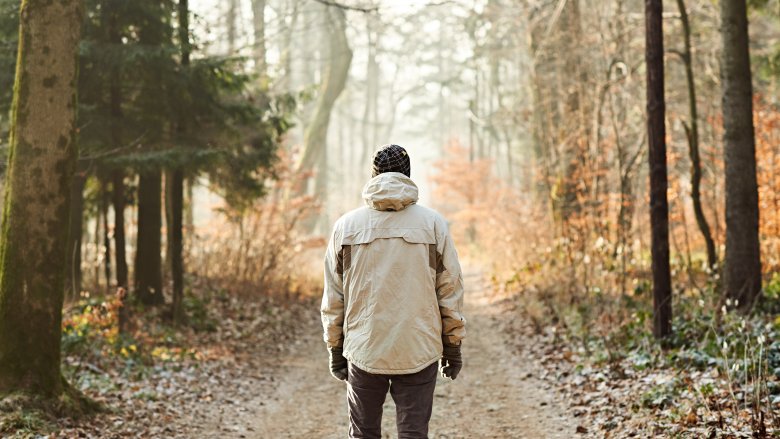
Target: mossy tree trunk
[(36, 211)]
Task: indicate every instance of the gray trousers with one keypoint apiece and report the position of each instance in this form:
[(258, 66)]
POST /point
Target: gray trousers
[(412, 393)]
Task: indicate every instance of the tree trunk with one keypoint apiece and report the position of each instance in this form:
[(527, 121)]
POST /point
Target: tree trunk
[(574, 78), (117, 175), (284, 82), (232, 30), (105, 200), (189, 200), (742, 267), (118, 201), (148, 262), (656, 135), (692, 133), (168, 213), (333, 83), (371, 99), (176, 186), (35, 218), (258, 23), (75, 234), (177, 263)]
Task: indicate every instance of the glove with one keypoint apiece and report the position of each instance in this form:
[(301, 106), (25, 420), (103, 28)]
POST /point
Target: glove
[(451, 362), (338, 364)]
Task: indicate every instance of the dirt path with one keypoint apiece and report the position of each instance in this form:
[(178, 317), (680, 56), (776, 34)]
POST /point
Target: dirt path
[(495, 396)]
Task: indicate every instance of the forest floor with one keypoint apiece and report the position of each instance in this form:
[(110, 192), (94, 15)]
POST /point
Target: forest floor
[(262, 372), (256, 367), (497, 394)]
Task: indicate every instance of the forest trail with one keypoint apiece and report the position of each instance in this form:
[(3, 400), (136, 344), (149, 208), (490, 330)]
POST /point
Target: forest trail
[(495, 396)]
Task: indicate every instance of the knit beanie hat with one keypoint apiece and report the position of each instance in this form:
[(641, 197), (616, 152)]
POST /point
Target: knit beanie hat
[(391, 158)]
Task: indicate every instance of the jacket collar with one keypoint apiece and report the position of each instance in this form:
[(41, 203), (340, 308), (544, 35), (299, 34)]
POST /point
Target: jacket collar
[(390, 191)]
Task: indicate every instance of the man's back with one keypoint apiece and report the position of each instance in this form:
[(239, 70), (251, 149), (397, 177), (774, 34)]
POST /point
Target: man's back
[(389, 264), (392, 300)]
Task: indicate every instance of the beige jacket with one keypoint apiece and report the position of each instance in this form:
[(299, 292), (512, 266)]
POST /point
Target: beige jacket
[(393, 284)]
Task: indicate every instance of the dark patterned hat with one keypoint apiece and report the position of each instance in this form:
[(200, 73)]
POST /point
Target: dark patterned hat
[(391, 158)]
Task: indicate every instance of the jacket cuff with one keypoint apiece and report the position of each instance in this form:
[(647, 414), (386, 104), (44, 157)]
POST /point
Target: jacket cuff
[(338, 344), (450, 340)]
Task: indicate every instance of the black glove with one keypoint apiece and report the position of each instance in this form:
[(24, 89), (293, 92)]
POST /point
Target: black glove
[(451, 362), (338, 364)]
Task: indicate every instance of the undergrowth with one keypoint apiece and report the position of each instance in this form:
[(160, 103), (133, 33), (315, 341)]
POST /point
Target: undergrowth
[(725, 366)]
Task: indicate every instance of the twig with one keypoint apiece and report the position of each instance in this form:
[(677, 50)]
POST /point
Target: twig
[(348, 7)]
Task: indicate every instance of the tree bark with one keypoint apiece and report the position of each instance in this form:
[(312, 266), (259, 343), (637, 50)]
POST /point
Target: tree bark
[(148, 262), (742, 265), (35, 218), (692, 133), (656, 135)]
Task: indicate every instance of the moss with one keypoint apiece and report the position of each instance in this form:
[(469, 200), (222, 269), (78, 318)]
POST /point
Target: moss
[(24, 415), (31, 269)]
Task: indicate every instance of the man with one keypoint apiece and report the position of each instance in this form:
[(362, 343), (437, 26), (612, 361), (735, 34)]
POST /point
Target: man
[(392, 303)]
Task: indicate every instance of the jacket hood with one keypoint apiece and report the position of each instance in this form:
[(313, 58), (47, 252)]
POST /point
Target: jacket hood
[(390, 191)]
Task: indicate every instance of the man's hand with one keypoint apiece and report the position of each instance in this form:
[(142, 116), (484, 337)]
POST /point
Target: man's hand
[(338, 364), (451, 362)]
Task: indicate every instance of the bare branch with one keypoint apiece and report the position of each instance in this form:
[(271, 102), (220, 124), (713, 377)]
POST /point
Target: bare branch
[(347, 7)]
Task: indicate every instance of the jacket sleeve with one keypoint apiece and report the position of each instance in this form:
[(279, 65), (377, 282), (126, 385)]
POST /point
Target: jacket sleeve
[(332, 308), (449, 288)]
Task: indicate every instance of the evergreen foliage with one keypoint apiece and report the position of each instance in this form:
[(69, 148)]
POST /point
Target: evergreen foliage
[(234, 131)]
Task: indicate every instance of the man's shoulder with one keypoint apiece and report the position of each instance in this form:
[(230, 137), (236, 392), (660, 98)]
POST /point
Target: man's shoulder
[(428, 212), (351, 216)]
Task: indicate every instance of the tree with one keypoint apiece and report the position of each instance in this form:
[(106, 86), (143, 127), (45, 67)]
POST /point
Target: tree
[(148, 261), (742, 264), (156, 32), (115, 100), (656, 135), (9, 34), (333, 83), (76, 221), (176, 184), (258, 24), (41, 164), (692, 134)]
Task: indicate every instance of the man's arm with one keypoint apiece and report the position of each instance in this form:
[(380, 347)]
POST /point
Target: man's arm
[(332, 308), (449, 289)]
